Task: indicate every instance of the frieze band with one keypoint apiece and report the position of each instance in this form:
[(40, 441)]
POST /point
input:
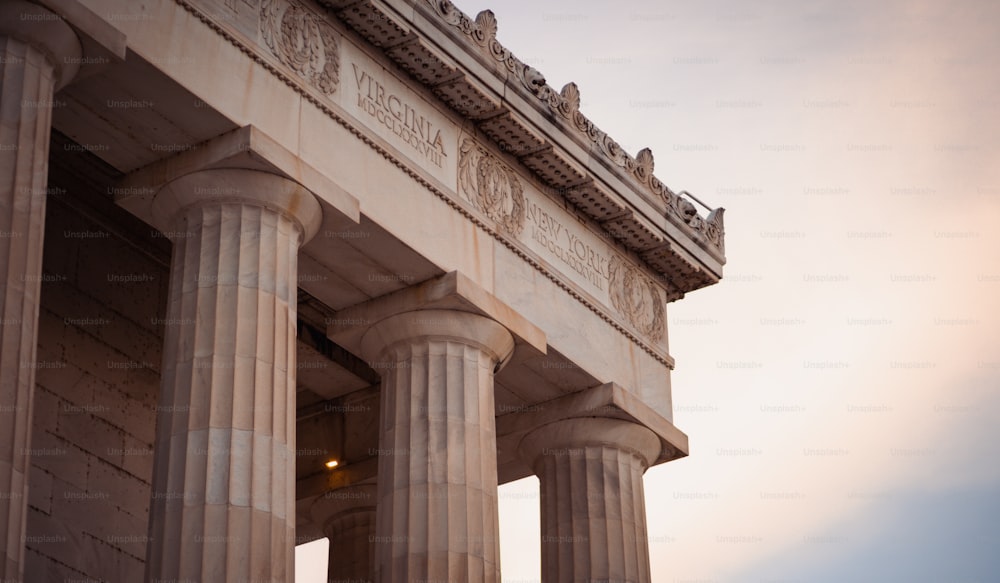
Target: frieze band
[(203, 13), (495, 190)]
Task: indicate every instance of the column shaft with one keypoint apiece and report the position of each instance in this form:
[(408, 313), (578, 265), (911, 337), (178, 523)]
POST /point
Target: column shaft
[(593, 516), (347, 517), (33, 44), (223, 504), (351, 535), (437, 481)]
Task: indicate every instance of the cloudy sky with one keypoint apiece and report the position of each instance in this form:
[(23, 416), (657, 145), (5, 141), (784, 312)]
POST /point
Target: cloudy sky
[(841, 386)]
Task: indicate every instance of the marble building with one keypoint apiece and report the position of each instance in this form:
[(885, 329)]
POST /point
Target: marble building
[(275, 270)]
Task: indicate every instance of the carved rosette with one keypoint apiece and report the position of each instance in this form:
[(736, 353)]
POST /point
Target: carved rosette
[(301, 40), (637, 298), (492, 187)]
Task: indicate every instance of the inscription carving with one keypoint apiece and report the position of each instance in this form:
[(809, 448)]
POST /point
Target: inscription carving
[(394, 111), (567, 246), (495, 190), (636, 297), (302, 41), (492, 187)]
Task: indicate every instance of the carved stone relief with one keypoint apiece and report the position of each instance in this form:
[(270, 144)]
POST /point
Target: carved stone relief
[(236, 6), (637, 298), (301, 40), (492, 187)]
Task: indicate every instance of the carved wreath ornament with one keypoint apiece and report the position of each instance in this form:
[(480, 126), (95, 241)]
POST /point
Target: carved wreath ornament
[(301, 40), (637, 298), (492, 187)]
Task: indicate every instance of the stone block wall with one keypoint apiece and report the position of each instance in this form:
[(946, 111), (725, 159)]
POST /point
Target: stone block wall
[(97, 382)]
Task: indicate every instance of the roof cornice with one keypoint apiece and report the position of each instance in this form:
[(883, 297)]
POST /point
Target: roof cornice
[(461, 62)]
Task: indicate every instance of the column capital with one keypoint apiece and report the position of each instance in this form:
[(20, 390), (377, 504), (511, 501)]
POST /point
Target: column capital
[(570, 436), (486, 334), (452, 292), (237, 185), (592, 505), (45, 31), (437, 516)]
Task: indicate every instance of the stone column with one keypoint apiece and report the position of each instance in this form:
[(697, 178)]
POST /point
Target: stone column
[(347, 516), (437, 474), (39, 53), (593, 509), (223, 506)]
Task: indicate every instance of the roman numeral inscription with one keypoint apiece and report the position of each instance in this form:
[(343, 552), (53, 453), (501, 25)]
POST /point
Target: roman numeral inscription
[(395, 112), (568, 247)]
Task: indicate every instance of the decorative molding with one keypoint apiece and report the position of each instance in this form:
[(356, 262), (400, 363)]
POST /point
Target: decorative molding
[(482, 31), (637, 298), (302, 41), (495, 190), (491, 186), (309, 96)]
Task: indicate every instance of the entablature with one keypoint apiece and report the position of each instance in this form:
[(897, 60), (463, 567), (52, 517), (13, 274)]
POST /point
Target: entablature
[(459, 61), (604, 245), (510, 102)]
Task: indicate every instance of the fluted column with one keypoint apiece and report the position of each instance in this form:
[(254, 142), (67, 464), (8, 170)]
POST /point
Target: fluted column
[(39, 53), (437, 474), (223, 502), (347, 516), (593, 511)]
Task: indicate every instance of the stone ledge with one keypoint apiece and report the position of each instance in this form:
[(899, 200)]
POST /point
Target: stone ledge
[(608, 400), (451, 291), (246, 147)]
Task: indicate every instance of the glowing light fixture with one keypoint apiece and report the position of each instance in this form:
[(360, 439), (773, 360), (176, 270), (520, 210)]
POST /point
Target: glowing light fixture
[(332, 464)]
